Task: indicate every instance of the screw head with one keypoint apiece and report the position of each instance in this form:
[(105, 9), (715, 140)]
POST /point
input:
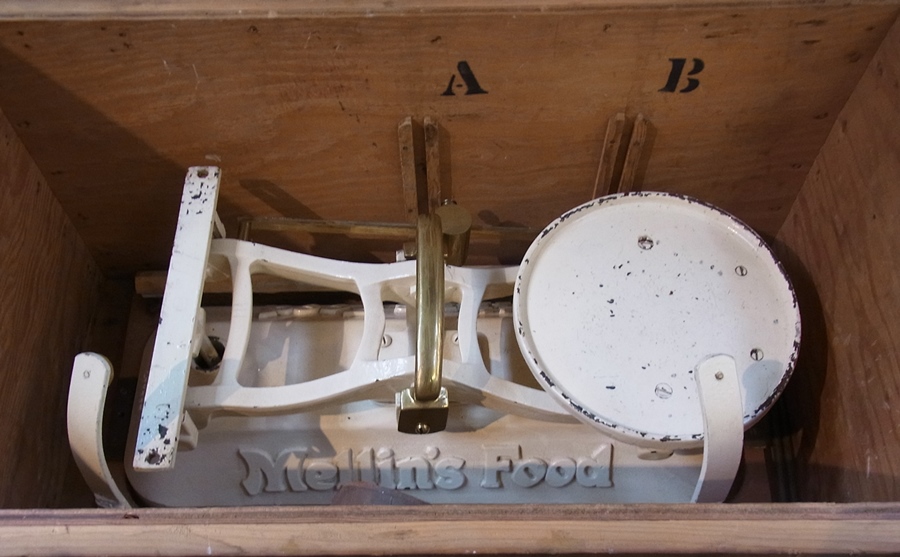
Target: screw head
[(663, 390), (422, 428), (720, 375)]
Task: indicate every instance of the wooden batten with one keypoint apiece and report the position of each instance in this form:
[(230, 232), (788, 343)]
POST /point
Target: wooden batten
[(459, 530), (49, 290), (841, 244)]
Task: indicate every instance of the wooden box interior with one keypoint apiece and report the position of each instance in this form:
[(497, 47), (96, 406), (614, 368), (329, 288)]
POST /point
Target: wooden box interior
[(793, 126)]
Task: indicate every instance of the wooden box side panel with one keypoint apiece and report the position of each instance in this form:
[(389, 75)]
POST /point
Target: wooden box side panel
[(842, 239), (302, 112), (49, 284)]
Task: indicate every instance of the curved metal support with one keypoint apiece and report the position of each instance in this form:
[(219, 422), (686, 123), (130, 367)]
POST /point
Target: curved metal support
[(723, 427), (424, 407), (429, 308), (91, 375)]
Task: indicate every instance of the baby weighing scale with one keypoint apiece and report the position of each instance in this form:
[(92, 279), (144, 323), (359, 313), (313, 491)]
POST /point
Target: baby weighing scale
[(621, 362)]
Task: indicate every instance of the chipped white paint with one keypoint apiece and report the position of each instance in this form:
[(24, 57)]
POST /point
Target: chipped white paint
[(486, 456), (369, 371), (619, 300), (163, 397), (91, 375), (617, 309)]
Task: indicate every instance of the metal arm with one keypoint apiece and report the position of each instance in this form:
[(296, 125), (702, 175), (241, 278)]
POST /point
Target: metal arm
[(429, 308), (423, 408)]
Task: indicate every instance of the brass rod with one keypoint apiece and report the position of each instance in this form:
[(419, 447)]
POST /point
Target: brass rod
[(429, 308)]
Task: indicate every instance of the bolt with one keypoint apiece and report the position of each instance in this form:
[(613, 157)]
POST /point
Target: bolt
[(720, 375), (756, 354), (663, 390), (422, 428), (741, 271)]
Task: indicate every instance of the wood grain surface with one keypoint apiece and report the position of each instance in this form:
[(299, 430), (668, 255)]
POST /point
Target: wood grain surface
[(48, 290), (302, 112), (458, 530), (842, 239), (244, 9)]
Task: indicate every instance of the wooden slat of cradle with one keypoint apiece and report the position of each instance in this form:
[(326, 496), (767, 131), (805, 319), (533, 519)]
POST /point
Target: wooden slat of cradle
[(609, 154), (436, 530), (49, 287), (312, 106), (634, 154), (841, 243), (153, 283)]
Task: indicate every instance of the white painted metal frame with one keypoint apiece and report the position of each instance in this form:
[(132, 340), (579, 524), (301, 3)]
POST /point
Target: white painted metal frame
[(195, 254), (718, 384), (91, 376), (175, 347), (170, 408), (368, 377)]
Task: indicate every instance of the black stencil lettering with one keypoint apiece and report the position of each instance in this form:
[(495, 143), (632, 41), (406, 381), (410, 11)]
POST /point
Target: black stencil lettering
[(468, 77), (678, 65)]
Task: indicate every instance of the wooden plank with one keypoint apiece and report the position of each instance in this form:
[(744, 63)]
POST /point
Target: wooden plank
[(408, 173), (438, 530), (162, 406), (432, 164), (612, 142), (841, 244), (204, 9), (312, 106), (634, 155), (49, 288)]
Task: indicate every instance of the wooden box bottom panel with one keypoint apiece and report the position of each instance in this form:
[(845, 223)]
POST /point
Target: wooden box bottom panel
[(458, 530)]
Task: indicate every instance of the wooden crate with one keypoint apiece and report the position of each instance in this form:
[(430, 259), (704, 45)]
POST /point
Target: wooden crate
[(785, 113)]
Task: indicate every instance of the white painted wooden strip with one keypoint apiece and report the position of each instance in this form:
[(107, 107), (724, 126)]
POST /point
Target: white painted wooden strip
[(163, 405)]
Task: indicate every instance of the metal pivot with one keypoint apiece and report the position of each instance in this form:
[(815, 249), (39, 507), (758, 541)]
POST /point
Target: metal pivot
[(423, 408)]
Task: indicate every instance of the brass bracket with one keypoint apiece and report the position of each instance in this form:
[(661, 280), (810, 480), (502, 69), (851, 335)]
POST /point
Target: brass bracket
[(442, 236)]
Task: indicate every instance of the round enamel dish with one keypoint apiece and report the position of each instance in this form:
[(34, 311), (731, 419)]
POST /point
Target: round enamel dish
[(618, 300)]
